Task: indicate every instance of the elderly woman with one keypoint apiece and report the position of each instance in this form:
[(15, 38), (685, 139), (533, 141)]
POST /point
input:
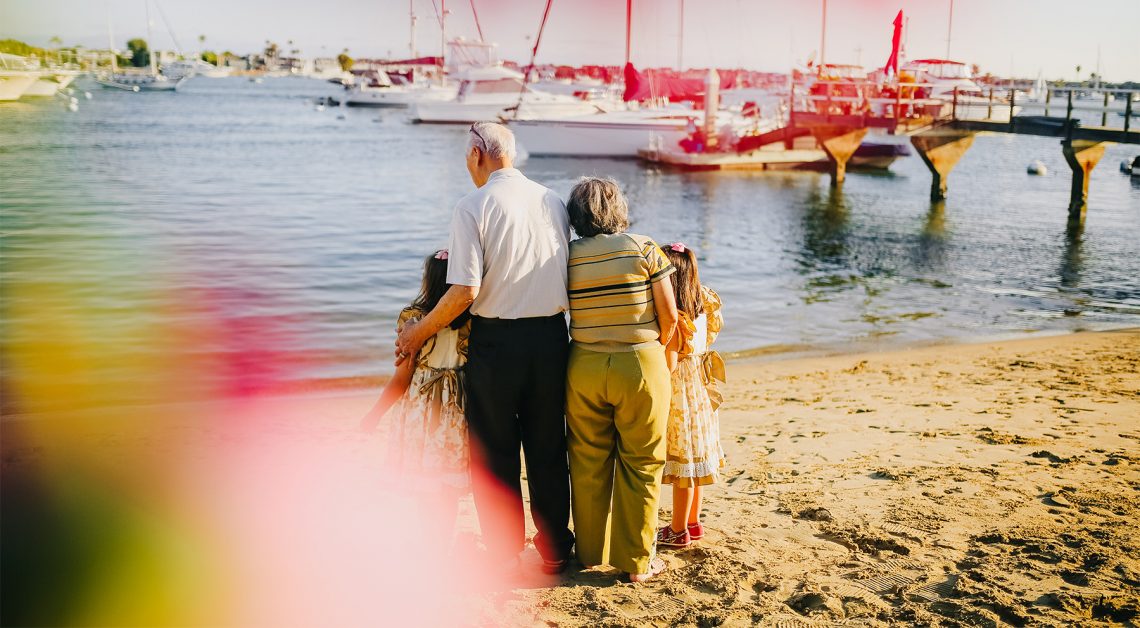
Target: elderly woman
[(622, 314)]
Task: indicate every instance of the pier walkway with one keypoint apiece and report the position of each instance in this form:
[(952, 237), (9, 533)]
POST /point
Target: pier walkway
[(943, 131)]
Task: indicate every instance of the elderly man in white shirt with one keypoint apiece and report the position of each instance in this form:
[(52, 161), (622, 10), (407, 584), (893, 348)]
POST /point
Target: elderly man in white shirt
[(508, 247)]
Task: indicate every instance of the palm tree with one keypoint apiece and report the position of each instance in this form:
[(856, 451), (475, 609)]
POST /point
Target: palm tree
[(56, 42)]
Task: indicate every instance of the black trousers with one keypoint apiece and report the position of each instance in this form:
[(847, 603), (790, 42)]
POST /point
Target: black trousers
[(516, 395)]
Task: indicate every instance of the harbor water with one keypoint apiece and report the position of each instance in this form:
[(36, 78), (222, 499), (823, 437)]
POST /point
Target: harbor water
[(237, 224)]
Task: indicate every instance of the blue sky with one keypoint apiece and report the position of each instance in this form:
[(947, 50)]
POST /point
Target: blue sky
[(1022, 36)]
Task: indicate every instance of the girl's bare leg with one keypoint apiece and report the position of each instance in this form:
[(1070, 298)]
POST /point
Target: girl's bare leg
[(682, 503), (694, 514)]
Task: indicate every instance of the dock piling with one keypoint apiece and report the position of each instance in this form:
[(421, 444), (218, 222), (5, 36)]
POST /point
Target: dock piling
[(940, 150), (1082, 156), (839, 143)]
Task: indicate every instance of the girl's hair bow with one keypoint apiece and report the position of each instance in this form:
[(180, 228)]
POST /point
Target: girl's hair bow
[(678, 247), (441, 254)]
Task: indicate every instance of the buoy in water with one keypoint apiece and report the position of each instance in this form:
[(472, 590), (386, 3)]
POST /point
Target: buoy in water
[(72, 107), (1037, 168), (87, 95), (320, 107)]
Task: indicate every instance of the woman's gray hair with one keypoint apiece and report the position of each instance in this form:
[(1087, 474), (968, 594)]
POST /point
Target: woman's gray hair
[(494, 139), (597, 206)]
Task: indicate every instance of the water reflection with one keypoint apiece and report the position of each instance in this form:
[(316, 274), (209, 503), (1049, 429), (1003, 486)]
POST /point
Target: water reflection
[(1073, 259), (824, 228), (930, 248)]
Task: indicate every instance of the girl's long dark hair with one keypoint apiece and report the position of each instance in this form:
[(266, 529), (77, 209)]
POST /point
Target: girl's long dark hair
[(433, 288), (686, 281)]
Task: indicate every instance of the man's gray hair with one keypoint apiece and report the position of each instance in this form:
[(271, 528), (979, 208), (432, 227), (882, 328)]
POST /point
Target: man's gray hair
[(597, 206), (494, 139)]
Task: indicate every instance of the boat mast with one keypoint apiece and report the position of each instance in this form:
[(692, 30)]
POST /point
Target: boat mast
[(628, 18), (823, 37), (153, 60), (949, 29), (412, 40), (111, 42), (442, 39), (681, 36)]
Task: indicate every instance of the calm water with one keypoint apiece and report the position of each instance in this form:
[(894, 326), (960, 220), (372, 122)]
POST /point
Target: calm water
[(242, 222)]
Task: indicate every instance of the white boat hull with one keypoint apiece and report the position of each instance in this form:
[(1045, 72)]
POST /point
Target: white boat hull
[(49, 85), (136, 85), (453, 112), (397, 96), (14, 84), (217, 72), (593, 138)]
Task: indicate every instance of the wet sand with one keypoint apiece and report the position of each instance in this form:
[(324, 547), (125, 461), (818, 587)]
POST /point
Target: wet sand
[(982, 484)]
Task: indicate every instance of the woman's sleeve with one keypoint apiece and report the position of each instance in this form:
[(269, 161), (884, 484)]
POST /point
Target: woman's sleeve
[(713, 317), (658, 266)]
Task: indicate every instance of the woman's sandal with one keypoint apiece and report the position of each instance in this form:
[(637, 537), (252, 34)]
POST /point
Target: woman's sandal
[(656, 566)]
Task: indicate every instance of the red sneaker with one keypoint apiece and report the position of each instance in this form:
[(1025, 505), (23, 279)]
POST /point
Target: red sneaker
[(696, 531), (666, 537)]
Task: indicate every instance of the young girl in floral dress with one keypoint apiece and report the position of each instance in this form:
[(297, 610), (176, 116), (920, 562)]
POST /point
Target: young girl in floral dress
[(427, 433), (694, 456)]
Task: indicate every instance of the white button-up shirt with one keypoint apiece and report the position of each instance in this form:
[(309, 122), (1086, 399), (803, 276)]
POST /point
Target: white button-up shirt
[(511, 238)]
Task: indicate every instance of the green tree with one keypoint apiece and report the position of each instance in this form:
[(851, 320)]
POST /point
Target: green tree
[(344, 60), (210, 57), (139, 53)]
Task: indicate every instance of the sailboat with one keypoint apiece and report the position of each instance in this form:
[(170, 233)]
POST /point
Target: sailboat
[(618, 133), (151, 80)]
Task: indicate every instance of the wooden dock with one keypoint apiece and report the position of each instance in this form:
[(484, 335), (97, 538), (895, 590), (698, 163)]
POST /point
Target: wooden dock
[(942, 136)]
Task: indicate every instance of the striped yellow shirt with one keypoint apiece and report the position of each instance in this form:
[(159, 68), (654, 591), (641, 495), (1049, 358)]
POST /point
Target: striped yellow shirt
[(611, 279)]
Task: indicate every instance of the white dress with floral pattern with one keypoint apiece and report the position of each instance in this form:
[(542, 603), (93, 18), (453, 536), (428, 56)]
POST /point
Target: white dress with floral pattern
[(693, 454), (427, 438)]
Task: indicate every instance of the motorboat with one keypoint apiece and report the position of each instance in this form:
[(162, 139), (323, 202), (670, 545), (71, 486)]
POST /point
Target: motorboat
[(50, 82), (616, 134), (494, 92), (13, 83), (187, 68), (378, 90), (608, 134), (952, 83)]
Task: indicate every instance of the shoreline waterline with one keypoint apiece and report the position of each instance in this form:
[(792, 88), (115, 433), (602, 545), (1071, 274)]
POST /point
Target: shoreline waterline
[(356, 387)]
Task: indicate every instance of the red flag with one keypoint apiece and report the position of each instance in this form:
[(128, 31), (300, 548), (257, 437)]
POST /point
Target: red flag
[(893, 61)]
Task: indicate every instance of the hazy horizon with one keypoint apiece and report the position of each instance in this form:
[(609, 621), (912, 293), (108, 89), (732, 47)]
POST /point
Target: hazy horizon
[(1019, 38)]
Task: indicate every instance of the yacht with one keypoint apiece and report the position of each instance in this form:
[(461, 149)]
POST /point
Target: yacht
[(187, 68), (615, 134), (944, 77), (607, 134), (50, 82), (378, 90), (13, 83), (494, 92)]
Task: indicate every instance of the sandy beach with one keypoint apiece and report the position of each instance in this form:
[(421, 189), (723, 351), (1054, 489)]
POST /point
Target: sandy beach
[(977, 484), (974, 484)]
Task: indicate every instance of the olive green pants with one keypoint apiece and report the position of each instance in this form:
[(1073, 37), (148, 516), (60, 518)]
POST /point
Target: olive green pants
[(617, 408)]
